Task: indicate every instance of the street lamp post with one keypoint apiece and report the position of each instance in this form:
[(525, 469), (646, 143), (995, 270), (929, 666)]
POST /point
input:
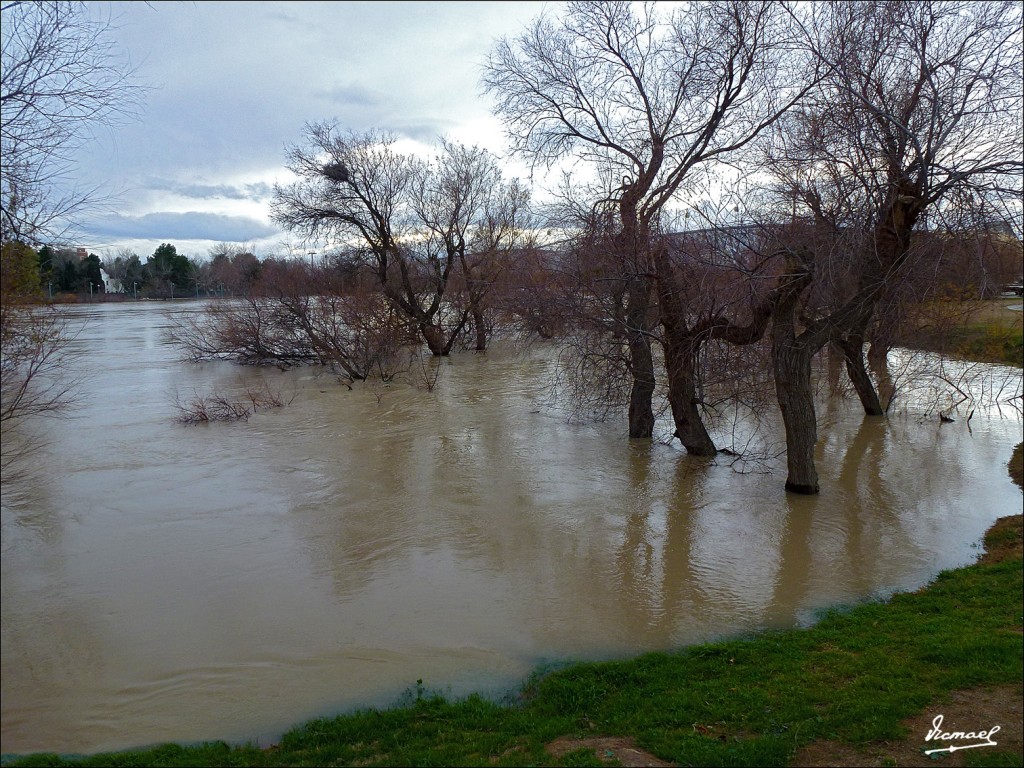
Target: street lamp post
[(135, 290)]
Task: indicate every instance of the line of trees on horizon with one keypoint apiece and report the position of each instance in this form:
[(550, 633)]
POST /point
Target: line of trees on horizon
[(230, 269)]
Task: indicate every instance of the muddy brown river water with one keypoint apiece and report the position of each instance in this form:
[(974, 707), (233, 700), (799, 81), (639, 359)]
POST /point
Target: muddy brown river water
[(163, 582)]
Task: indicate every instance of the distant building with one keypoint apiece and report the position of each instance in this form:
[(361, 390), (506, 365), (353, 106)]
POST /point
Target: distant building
[(110, 284)]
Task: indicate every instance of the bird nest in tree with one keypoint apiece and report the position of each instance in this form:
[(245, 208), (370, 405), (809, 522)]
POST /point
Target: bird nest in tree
[(336, 172)]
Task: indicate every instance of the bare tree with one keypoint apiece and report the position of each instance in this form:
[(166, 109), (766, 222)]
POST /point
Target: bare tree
[(645, 99), (61, 76), (475, 221), (413, 224), (922, 100)]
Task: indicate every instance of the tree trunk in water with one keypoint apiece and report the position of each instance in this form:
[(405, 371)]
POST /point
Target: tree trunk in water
[(434, 336), (853, 350), (791, 362), (682, 396), (641, 360), (641, 412), (681, 349), (480, 327), (878, 360)]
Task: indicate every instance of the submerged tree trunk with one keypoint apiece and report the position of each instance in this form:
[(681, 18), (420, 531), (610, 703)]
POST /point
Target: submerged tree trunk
[(641, 359), (480, 327), (434, 336), (891, 246), (681, 347), (852, 346), (633, 246), (791, 363), (878, 362), (680, 361), (476, 290)]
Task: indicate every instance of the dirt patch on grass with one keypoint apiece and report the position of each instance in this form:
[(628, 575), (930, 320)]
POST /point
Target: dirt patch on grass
[(971, 710), (608, 749)]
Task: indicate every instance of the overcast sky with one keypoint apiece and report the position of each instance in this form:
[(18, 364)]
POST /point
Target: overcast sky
[(233, 83)]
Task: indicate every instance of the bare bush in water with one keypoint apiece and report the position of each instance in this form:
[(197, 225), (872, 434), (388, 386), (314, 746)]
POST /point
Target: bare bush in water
[(218, 406), (353, 331)]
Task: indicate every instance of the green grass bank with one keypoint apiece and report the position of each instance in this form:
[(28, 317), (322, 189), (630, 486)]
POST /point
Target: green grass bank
[(853, 679)]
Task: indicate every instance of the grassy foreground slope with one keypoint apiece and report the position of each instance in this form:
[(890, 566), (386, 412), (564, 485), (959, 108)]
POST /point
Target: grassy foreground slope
[(849, 680)]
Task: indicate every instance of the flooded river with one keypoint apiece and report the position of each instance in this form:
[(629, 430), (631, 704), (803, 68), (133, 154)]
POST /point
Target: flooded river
[(163, 582)]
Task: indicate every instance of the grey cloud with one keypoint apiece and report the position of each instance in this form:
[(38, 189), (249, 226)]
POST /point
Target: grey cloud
[(191, 226), (287, 18), (256, 191), (352, 95)]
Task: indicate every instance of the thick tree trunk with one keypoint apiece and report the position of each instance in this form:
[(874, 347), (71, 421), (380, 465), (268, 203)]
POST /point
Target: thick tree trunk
[(680, 360), (641, 413), (633, 244), (641, 359), (434, 336), (682, 396), (791, 362)]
